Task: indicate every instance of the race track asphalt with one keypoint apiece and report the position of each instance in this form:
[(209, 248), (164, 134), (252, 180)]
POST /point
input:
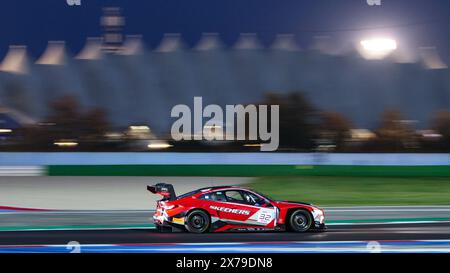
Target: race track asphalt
[(124, 222), (350, 230), (434, 231), (76, 219)]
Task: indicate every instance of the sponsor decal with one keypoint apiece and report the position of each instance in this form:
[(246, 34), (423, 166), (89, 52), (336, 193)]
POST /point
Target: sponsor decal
[(179, 221), (265, 216), (250, 229), (236, 211)]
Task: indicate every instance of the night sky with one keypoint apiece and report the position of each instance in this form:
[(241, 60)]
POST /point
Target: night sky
[(413, 23)]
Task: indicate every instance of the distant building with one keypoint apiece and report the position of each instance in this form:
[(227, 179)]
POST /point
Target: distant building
[(112, 22), (11, 120), (136, 85)]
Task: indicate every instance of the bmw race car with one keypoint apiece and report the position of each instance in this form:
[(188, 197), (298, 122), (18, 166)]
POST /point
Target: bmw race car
[(231, 208)]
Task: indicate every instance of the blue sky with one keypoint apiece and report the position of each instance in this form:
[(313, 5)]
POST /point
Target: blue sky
[(413, 22)]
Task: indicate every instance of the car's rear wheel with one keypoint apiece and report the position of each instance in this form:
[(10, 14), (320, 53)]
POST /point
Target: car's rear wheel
[(300, 221), (197, 221)]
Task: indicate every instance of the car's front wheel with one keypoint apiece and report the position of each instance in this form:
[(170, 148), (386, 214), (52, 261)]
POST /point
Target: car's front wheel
[(197, 221), (300, 221)]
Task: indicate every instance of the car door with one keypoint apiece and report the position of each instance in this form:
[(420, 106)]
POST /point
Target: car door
[(266, 213), (229, 206), (245, 212), (221, 209)]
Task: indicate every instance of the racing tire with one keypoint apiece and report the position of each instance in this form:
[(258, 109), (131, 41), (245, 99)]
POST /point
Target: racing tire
[(300, 221), (197, 221)]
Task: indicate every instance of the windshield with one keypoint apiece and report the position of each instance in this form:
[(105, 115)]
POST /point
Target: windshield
[(263, 195)]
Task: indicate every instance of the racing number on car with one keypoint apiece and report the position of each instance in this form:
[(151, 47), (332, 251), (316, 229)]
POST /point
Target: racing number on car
[(265, 216)]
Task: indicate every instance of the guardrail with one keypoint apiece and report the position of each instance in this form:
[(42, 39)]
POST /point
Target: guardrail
[(23, 171)]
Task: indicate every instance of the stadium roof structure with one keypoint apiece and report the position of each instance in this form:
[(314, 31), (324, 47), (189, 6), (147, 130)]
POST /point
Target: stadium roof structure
[(209, 41), (143, 90), (92, 49), (285, 42), (248, 41), (133, 46), (171, 42), (54, 54), (16, 60)]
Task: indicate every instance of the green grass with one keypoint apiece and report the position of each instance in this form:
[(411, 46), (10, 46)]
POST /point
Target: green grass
[(248, 170), (339, 191)]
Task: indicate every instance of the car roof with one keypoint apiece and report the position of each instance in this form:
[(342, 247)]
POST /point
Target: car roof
[(207, 189), (210, 189)]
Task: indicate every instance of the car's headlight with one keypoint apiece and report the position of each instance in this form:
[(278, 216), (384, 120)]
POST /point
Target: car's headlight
[(319, 214)]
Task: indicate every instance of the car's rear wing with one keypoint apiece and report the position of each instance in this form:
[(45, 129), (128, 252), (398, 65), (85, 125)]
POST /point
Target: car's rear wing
[(163, 189)]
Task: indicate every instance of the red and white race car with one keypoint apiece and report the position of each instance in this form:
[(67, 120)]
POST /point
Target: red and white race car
[(231, 208)]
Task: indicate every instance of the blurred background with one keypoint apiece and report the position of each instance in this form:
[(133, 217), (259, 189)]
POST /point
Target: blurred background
[(104, 76)]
